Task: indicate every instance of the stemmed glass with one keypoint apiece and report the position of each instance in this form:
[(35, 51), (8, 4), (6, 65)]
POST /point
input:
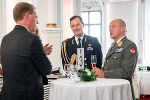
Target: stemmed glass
[(74, 73), (93, 61), (67, 69), (74, 70)]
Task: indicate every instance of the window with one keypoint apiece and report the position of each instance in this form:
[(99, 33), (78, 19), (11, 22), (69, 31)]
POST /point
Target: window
[(93, 23), (146, 49), (91, 13)]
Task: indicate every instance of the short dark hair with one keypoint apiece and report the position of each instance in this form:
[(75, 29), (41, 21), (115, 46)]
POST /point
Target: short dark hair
[(20, 9), (73, 17)]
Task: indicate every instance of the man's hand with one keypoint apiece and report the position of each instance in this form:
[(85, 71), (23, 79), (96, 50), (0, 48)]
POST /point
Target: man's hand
[(98, 72), (48, 49)]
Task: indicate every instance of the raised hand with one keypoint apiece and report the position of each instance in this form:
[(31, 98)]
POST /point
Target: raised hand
[(48, 49)]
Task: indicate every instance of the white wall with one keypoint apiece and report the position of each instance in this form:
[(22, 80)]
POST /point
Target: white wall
[(67, 14), (3, 19), (127, 11)]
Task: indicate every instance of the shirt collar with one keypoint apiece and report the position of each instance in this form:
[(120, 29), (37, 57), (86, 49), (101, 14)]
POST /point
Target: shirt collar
[(80, 38), (120, 39)]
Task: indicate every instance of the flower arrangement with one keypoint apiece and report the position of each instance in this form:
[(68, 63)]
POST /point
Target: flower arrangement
[(86, 75)]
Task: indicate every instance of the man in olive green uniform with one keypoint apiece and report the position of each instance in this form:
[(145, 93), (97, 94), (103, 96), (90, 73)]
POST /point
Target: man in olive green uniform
[(121, 59)]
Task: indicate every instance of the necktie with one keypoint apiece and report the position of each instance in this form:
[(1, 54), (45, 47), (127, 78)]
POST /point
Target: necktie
[(79, 43), (112, 46)]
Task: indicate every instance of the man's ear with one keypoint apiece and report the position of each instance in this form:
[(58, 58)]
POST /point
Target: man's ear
[(26, 16), (123, 28)]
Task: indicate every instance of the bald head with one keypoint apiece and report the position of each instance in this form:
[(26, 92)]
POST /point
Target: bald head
[(117, 29), (120, 22)]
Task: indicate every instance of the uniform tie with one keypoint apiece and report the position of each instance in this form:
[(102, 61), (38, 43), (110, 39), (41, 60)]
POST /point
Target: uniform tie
[(79, 43), (112, 46)]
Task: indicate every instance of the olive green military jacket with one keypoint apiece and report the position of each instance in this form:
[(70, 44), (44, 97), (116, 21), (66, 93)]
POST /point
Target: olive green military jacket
[(121, 61)]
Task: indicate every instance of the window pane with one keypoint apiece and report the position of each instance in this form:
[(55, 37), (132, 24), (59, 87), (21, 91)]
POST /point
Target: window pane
[(95, 17), (84, 16), (95, 31), (85, 30)]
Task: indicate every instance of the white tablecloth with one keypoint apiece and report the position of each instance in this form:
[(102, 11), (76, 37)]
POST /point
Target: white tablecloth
[(144, 82), (101, 89)]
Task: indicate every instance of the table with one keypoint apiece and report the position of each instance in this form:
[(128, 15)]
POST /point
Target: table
[(101, 89), (143, 78)]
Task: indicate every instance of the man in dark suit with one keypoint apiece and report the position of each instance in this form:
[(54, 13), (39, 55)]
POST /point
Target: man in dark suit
[(121, 59), (24, 61), (90, 44)]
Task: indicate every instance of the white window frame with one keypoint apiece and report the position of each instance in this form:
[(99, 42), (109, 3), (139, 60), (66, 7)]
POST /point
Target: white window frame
[(146, 46)]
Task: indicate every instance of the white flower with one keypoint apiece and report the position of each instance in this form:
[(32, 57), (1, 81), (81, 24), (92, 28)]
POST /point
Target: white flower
[(88, 72)]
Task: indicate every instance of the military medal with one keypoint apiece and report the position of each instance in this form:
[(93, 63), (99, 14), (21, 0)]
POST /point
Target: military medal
[(89, 47), (120, 44), (119, 50), (132, 50)]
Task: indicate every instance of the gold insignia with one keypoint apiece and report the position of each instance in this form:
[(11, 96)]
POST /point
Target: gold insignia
[(73, 58), (64, 52), (120, 44)]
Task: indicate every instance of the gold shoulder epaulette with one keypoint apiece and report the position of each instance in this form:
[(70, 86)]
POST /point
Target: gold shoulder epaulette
[(64, 52), (66, 40)]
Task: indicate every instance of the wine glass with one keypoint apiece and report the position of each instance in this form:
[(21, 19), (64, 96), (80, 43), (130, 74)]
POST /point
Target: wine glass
[(74, 70), (74, 73), (93, 61), (67, 69)]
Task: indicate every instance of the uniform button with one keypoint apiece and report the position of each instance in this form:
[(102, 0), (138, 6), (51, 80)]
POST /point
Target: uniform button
[(115, 57)]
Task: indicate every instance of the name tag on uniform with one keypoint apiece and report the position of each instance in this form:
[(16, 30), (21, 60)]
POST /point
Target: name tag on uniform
[(119, 50)]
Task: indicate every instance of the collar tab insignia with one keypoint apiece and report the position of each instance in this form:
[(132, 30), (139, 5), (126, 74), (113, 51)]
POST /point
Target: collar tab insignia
[(120, 44)]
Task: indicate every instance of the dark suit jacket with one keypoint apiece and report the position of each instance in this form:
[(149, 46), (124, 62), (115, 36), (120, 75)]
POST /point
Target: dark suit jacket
[(71, 48), (120, 62), (24, 62)]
